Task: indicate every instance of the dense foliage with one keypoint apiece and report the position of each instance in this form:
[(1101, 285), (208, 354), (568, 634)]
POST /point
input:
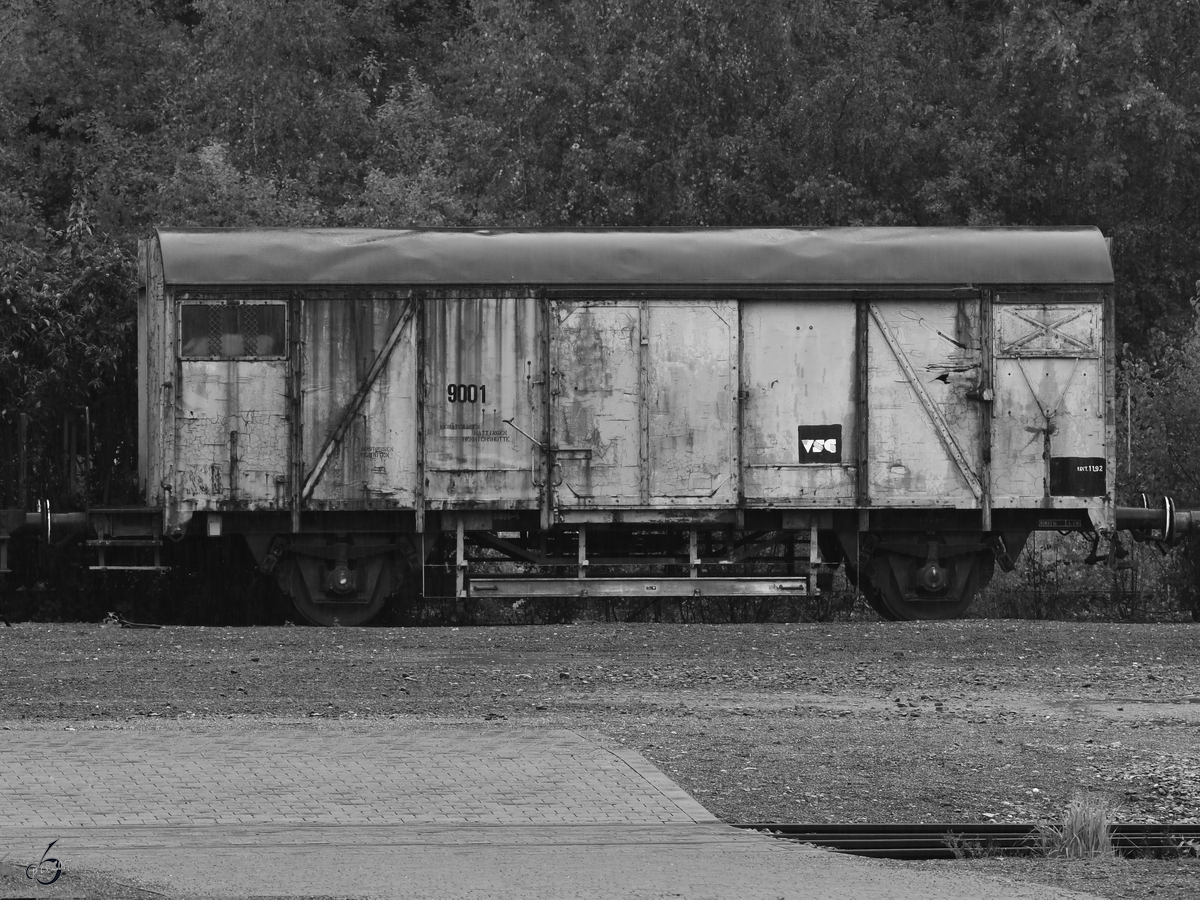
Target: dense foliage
[(117, 115)]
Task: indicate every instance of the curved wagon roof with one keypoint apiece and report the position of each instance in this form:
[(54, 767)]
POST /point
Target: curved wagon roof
[(712, 257)]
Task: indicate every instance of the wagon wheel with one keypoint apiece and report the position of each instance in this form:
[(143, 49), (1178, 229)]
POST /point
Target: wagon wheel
[(876, 602), (912, 589), (870, 592), (340, 584), (318, 611)]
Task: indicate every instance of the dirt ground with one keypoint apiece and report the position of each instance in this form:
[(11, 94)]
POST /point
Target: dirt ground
[(973, 721)]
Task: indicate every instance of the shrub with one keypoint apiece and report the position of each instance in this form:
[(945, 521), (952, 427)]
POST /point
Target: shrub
[(1085, 833)]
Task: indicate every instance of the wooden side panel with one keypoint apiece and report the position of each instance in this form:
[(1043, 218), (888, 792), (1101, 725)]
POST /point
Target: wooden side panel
[(645, 408), (143, 406), (155, 382), (925, 433), (691, 391), (798, 362), (374, 466), (484, 403), (597, 430), (1049, 444), (232, 443)]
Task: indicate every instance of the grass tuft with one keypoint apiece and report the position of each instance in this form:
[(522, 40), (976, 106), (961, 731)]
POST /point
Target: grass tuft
[(1085, 833)]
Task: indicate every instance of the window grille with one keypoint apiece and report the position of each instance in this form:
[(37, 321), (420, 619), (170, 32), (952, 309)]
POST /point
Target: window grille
[(229, 331)]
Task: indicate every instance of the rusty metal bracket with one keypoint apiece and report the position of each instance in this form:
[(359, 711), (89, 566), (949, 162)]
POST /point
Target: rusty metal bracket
[(1003, 557), (271, 560), (360, 397), (935, 416), (520, 430), (756, 543)]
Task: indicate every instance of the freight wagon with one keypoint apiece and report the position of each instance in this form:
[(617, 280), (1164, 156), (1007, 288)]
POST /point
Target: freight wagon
[(598, 413)]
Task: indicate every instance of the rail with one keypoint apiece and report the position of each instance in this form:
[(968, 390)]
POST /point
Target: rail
[(953, 840)]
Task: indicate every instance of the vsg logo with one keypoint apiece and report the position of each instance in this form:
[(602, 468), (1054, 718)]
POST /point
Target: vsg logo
[(821, 444)]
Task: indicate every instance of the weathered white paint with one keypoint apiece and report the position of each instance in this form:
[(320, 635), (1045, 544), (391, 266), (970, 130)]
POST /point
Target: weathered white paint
[(596, 375), (691, 395), (221, 398), (798, 364), (375, 464), (910, 462), (472, 456), (643, 403), (1049, 381), (644, 410)]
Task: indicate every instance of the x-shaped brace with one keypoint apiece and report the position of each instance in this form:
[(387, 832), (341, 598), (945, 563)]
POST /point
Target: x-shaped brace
[(1046, 329)]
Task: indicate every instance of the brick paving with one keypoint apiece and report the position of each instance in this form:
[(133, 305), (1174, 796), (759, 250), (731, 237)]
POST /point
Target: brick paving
[(388, 811)]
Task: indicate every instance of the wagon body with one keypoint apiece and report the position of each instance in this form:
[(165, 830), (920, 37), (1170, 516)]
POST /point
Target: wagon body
[(913, 401)]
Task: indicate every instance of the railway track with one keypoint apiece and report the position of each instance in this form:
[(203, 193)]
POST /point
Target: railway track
[(956, 840)]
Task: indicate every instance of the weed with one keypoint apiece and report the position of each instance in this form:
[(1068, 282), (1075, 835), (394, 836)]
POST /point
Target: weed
[(963, 848), (1085, 833)]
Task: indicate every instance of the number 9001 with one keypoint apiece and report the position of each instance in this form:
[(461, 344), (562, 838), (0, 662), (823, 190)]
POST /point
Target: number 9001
[(466, 393)]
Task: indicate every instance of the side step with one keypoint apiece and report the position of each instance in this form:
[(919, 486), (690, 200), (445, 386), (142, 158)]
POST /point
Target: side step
[(638, 587), (127, 552)]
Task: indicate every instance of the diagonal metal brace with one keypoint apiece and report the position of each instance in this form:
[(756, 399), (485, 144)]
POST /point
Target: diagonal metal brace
[(935, 415), (360, 397)]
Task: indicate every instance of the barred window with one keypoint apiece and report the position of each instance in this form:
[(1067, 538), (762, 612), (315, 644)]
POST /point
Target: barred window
[(226, 331)]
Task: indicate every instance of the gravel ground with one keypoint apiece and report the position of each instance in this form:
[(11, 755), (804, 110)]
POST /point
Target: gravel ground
[(970, 721)]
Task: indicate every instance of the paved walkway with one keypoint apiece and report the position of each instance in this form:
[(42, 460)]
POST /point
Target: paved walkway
[(387, 811)]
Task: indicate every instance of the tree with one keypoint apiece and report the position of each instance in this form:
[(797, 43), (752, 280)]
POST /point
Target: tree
[(1102, 104), (66, 352), (82, 88)]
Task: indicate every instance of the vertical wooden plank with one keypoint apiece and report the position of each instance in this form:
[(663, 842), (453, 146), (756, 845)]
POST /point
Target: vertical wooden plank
[(985, 398), (597, 431), (152, 362), (690, 396), (1108, 387), (143, 432), (171, 370), (739, 446), (862, 392), (422, 381), (643, 403), (548, 443), (295, 400)]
